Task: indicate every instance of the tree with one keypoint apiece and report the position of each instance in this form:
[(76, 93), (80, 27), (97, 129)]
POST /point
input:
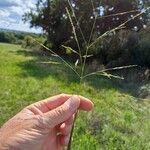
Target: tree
[(7, 37), (51, 16)]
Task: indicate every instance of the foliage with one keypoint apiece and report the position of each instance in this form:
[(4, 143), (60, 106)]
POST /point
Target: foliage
[(142, 55), (112, 49), (123, 48), (7, 37), (52, 17), (118, 120), (30, 42), (139, 47), (15, 37)]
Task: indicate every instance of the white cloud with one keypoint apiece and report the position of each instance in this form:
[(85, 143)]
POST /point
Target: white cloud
[(17, 10), (4, 13), (11, 12)]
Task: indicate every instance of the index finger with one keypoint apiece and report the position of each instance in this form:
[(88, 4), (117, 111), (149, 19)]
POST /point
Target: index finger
[(56, 101)]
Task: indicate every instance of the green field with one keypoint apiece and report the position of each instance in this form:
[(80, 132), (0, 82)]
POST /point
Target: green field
[(119, 121)]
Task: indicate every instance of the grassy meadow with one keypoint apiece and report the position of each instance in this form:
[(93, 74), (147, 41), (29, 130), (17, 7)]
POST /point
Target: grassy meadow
[(118, 122)]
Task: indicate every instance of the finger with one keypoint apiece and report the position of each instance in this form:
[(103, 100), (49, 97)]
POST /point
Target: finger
[(50, 103), (66, 127), (64, 140), (56, 101), (70, 120), (86, 104), (63, 112), (65, 130)]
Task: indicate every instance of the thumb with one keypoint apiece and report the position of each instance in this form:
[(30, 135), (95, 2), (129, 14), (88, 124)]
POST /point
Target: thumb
[(63, 112)]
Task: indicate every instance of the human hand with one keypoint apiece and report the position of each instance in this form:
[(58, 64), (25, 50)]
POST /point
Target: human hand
[(45, 125)]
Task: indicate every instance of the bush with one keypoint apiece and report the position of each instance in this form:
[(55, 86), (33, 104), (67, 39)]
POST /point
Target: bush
[(140, 49), (124, 48), (112, 50), (143, 56), (30, 42), (19, 37)]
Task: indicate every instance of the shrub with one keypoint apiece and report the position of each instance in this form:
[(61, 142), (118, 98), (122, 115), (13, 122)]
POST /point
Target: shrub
[(112, 50), (140, 48), (144, 51), (124, 48), (30, 42)]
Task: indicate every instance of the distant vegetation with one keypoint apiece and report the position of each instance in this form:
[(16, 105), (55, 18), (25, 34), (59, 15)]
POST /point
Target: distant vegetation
[(17, 37), (30, 41)]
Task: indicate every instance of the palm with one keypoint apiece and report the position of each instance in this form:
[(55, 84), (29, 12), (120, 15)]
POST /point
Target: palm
[(39, 135)]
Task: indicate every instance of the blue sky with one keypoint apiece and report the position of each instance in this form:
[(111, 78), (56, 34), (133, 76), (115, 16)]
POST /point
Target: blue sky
[(11, 12)]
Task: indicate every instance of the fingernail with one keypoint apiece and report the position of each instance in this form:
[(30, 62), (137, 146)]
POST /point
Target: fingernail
[(73, 102)]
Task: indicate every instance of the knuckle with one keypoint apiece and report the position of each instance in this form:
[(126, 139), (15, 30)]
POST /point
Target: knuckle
[(42, 123), (61, 110), (62, 95), (25, 109)]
